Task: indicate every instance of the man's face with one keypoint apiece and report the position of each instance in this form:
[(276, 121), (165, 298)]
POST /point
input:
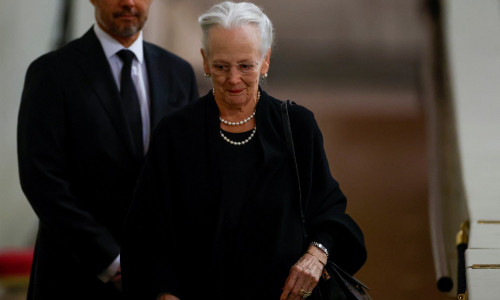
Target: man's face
[(121, 18)]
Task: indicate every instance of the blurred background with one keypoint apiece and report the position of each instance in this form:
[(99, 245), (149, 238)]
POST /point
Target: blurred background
[(355, 64)]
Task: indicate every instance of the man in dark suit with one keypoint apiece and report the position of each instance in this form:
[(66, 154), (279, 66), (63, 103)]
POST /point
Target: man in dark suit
[(86, 115)]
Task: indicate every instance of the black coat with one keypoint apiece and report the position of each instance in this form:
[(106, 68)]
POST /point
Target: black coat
[(171, 243), (76, 160)]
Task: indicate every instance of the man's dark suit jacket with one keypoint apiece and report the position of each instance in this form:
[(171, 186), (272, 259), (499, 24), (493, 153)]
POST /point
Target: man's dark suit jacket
[(76, 163)]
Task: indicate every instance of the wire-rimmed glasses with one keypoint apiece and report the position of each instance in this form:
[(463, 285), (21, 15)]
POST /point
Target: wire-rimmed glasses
[(244, 68)]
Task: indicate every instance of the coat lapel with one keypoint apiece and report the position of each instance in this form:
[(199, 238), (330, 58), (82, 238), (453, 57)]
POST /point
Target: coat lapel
[(96, 67), (158, 85), (271, 133)]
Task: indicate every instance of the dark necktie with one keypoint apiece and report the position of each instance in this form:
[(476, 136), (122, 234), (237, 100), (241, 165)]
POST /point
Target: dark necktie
[(130, 100)]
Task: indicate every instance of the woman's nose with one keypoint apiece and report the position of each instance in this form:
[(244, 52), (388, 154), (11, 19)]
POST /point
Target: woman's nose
[(234, 75)]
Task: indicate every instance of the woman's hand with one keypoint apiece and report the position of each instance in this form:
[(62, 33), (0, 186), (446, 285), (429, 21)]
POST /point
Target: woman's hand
[(167, 297), (304, 275)]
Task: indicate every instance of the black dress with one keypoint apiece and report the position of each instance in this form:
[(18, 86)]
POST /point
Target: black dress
[(217, 221), (237, 167)]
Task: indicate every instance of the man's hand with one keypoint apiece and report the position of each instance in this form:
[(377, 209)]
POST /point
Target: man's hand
[(167, 297)]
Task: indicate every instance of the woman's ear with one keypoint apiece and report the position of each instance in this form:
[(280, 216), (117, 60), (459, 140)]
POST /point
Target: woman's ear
[(206, 66), (266, 62)]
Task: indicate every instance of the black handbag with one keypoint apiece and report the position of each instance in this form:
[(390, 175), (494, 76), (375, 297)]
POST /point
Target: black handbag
[(335, 284)]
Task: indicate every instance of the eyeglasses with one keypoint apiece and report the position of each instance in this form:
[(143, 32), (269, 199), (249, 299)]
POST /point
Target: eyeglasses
[(245, 68)]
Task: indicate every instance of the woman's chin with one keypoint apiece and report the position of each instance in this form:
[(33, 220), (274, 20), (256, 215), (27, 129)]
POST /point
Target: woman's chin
[(238, 99)]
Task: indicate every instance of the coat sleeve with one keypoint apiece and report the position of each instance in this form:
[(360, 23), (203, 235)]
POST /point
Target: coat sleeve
[(44, 171), (323, 201), (148, 249)]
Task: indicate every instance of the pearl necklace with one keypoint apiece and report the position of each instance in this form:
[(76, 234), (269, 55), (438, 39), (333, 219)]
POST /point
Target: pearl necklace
[(248, 139), (237, 123)]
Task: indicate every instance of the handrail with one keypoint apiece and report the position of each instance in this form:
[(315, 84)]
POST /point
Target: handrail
[(447, 206), (462, 244)]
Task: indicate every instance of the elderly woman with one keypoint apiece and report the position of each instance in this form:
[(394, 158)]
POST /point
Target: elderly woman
[(216, 214)]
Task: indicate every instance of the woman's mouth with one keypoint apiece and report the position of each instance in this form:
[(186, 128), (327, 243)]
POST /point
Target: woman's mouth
[(236, 91)]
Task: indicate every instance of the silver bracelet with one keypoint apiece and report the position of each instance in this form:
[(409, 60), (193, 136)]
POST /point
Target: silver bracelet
[(320, 247)]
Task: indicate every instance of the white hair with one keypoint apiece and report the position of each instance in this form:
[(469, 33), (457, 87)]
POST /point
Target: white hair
[(231, 15)]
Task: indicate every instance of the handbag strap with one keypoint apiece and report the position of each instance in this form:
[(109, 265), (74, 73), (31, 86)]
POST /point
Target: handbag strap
[(289, 142)]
